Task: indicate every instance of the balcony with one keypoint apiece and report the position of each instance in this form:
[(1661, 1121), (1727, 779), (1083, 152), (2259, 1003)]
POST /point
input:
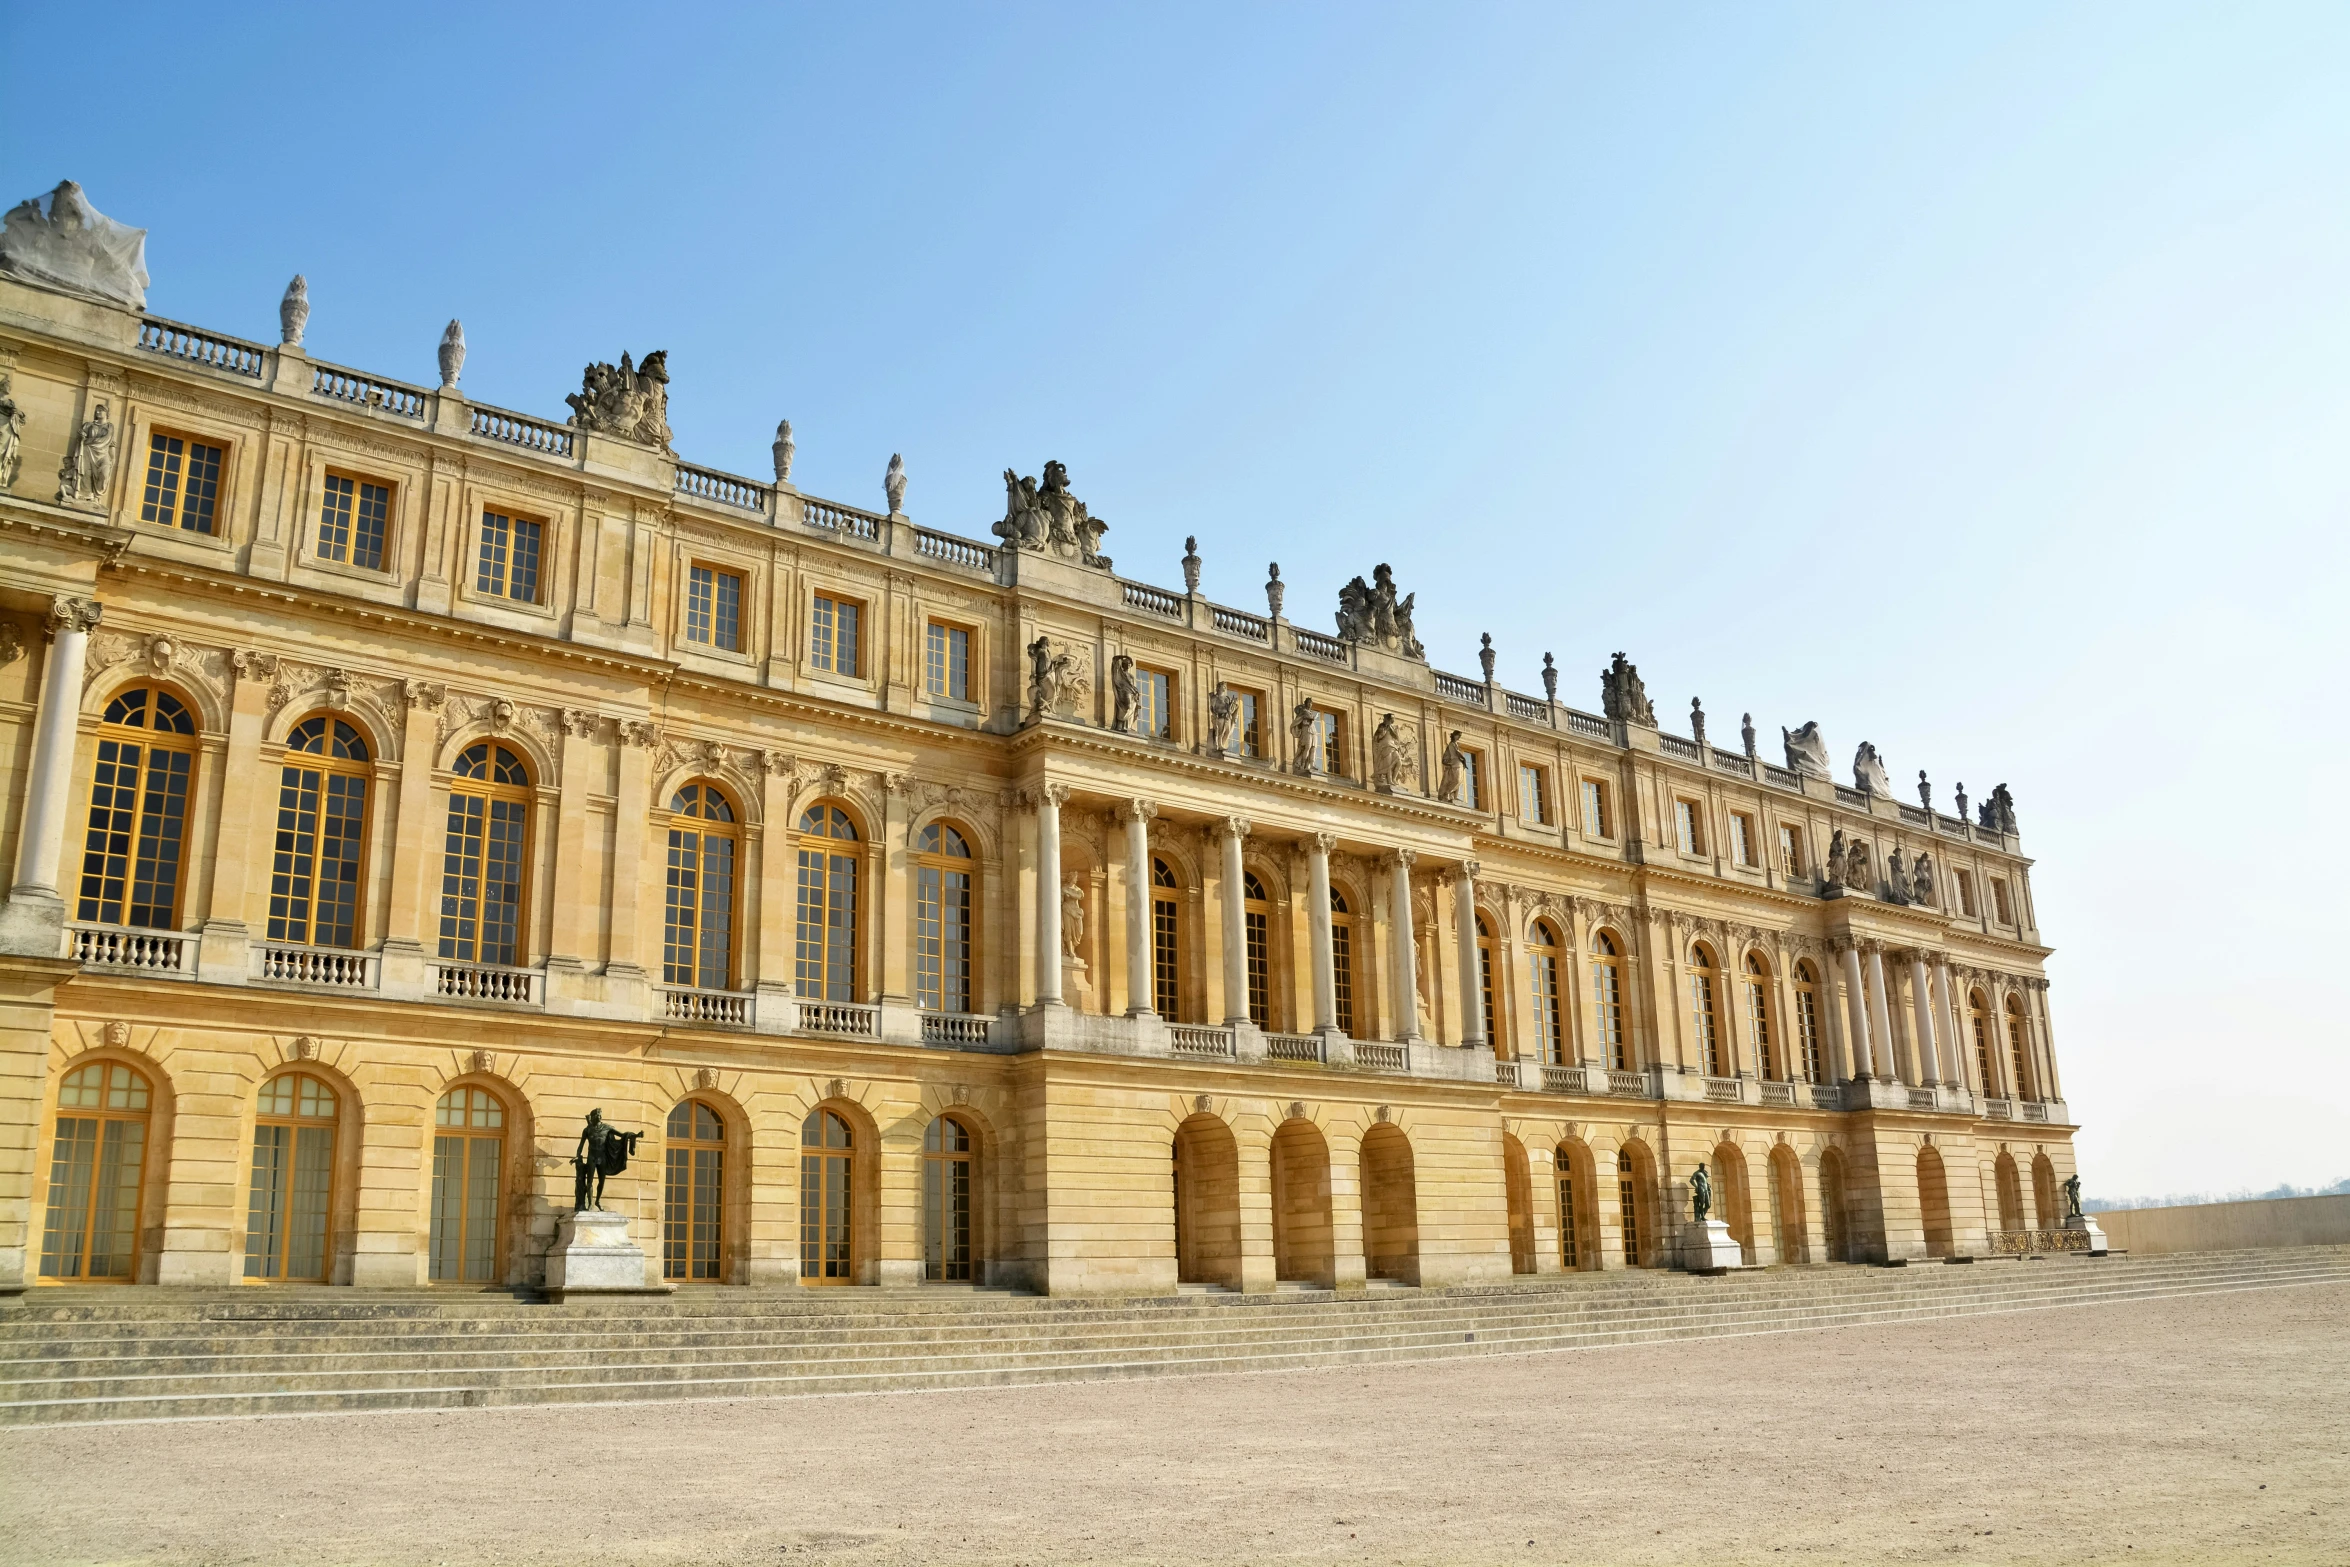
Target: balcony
[(164, 954), (710, 1008), (329, 968), (487, 982)]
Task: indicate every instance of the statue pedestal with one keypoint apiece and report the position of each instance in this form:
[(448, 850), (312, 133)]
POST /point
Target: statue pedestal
[(1707, 1247), (593, 1255), (2086, 1224)]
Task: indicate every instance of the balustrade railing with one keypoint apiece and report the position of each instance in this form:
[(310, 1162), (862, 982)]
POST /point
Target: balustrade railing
[(161, 952), (1733, 762), (1998, 1109), (950, 550), (836, 518), (1152, 601), (727, 489), (1566, 1080), (1293, 1047), (2020, 1243), (724, 1008), (1827, 1096), (1627, 1085), (1950, 826), (1990, 836), (1192, 1039), (1380, 1056), (197, 346), (840, 1017), (1239, 624), (1589, 725), (1858, 799), (1527, 708), (536, 435), (1505, 1073), (955, 1028), (1453, 688), (1315, 645), (1916, 816), (1674, 745), (1782, 778), (1725, 1090), (2034, 1110), (486, 982), (1779, 1094), (1922, 1099), (314, 966), (367, 391)]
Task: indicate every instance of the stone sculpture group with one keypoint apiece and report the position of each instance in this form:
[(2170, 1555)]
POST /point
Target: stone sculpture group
[(627, 402), (1047, 517), (1056, 681), (1370, 615), (1622, 696)]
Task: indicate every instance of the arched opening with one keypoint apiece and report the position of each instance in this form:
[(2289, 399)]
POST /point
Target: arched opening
[(1487, 961), (1256, 920), (2044, 1192), (1934, 1202), (1207, 1203), (468, 1181), (1636, 1204), (1704, 1013), (1166, 942), (2011, 1191), (693, 1195), (1835, 1221), (97, 1175), (1733, 1201), (949, 1196), (1543, 953), (1303, 1241), (825, 966), (1787, 1227), (135, 848), (289, 1217), (1758, 1019), (1391, 1206), (1578, 1206), (1342, 959), (317, 875), (1813, 1063), (1607, 1003), (829, 1252), (483, 857), (704, 853), (946, 954), (1518, 1192)]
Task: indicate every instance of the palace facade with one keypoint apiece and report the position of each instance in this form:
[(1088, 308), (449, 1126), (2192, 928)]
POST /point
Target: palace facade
[(390, 779)]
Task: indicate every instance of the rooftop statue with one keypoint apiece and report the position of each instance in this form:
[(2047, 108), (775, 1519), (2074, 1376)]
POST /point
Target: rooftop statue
[(1371, 614), (1621, 695), (1807, 752), (61, 242), (1868, 772), (1047, 517), (893, 485), (1998, 812), (627, 402)]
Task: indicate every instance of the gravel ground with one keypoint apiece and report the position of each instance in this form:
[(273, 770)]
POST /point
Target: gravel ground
[(2206, 1429)]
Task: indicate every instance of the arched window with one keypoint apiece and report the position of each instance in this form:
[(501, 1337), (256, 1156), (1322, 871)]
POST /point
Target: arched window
[(1607, 1002), (1485, 963), (1256, 918), (827, 1226), (137, 839), (946, 1201), (1570, 1214), (1702, 1017), (481, 865), (697, 949), (290, 1211), (943, 953), (1807, 1021), (1978, 1014), (1758, 1015), (693, 1195), (314, 879), (97, 1154), (1342, 962), (1542, 961), (827, 966), (468, 1157), (2018, 1055), (1166, 942)]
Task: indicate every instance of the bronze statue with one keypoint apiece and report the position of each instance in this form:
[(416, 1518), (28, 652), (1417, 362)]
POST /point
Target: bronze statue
[(1701, 1194), (603, 1150), (2072, 1196)]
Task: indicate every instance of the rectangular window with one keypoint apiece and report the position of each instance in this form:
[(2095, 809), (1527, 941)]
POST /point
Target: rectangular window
[(1533, 795), (1688, 827), (1154, 713), (509, 566), (1166, 970), (1741, 838), (1966, 894), (950, 663), (1596, 823), (1790, 849), (835, 640), (183, 483), (714, 608), (1472, 779), (942, 939), (1330, 742), (2001, 910), (1259, 928), (1251, 738), (351, 521), (138, 823)]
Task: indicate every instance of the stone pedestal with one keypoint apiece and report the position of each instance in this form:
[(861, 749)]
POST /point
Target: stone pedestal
[(2085, 1224), (1708, 1247), (593, 1255)]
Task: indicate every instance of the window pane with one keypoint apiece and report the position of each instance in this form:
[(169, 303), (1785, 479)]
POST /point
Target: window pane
[(726, 632), (496, 539), (845, 652), (163, 811), (820, 633), (697, 603), (522, 578), (334, 518), (367, 539), (202, 494), (161, 502)]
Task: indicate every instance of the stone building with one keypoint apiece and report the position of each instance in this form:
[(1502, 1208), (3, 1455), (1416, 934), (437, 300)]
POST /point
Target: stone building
[(390, 779)]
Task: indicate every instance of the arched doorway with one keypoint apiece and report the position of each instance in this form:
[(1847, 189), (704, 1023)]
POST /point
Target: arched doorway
[(1518, 1186), (1636, 1204), (828, 1221), (948, 1189), (1835, 1223), (1578, 1206), (97, 1165), (1207, 1203), (1934, 1202), (1391, 1206), (1733, 1202), (693, 1195), (2044, 1191), (1303, 1248), (2011, 1192), (468, 1169), (1787, 1229), (289, 1213)]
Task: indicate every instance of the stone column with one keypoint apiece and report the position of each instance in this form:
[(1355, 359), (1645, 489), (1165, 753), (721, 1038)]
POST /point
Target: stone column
[(1137, 815), (417, 842), (1880, 1014), (1856, 1012), (1318, 849), (1232, 830), (35, 917), (1407, 953), (1951, 1030), (777, 918), (1921, 1000), (1464, 919), (1049, 800)]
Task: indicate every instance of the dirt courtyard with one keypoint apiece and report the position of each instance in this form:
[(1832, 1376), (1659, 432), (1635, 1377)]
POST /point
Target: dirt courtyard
[(2206, 1429)]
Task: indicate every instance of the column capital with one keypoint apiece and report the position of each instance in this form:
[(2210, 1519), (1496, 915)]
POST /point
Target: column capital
[(1471, 869), (1323, 842), (71, 614), (1055, 795), (1136, 810), (1403, 859), (1234, 826)]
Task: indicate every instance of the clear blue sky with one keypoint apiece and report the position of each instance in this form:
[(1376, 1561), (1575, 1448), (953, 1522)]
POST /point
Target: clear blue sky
[(1971, 379)]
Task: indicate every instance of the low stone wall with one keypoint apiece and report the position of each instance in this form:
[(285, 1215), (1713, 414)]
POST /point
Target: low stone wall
[(2231, 1226)]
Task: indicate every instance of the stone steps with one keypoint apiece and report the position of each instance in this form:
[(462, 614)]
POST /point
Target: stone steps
[(156, 1356)]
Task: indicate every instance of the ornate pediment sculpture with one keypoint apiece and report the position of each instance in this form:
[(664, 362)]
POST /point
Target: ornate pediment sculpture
[(1048, 518), (627, 402), (1369, 613), (1622, 697)]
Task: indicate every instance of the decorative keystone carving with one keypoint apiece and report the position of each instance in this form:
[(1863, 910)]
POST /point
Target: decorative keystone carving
[(706, 1078), (777, 764), (304, 1048), (641, 733), (252, 665), (482, 1060), (425, 694), (116, 1034)]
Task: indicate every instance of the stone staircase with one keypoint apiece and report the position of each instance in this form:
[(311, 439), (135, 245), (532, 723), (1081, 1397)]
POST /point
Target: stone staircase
[(105, 1355)]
